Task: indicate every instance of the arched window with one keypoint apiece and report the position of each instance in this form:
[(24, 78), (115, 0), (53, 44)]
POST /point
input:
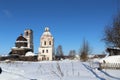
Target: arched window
[(26, 34), (42, 58), (42, 51), (49, 42), (44, 42), (47, 58), (46, 51)]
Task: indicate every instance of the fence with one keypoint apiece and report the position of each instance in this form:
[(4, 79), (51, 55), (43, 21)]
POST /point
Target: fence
[(109, 65)]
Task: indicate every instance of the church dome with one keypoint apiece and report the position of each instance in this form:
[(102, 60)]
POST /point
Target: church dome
[(21, 42), (47, 32), (21, 38)]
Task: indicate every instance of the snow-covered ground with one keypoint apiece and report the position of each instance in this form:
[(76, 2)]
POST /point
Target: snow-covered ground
[(56, 70)]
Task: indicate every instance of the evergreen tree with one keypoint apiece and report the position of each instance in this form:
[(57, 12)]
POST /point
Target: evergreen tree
[(59, 51), (84, 51)]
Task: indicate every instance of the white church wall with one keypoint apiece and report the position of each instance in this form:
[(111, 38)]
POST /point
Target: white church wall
[(46, 46)]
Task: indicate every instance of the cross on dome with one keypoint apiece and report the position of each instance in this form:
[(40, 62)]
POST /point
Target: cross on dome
[(46, 29)]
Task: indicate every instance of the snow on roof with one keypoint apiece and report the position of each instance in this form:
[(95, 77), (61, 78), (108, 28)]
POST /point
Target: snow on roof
[(111, 59), (29, 54), (114, 48), (91, 55), (14, 47)]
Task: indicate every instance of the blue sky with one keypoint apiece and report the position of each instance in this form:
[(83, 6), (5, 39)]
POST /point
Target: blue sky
[(69, 21)]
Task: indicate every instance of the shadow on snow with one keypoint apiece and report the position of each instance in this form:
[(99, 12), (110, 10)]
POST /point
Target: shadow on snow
[(109, 75), (90, 69)]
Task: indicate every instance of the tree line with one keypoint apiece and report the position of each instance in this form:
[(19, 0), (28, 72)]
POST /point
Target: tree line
[(111, 37), (83, 52)]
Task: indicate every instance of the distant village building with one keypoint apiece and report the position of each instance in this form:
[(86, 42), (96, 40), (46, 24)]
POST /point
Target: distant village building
[(46, 49), (113, 51), (112, 60), (23, 44)]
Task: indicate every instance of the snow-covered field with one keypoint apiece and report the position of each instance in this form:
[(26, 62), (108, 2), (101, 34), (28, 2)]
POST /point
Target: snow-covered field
[(55, 70)]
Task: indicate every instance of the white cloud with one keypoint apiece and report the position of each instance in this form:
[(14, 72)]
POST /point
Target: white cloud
[(7, 13)]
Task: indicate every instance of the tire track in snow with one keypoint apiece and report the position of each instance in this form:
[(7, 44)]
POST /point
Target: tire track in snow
[(100, 74), (109, 75), (90, 69)]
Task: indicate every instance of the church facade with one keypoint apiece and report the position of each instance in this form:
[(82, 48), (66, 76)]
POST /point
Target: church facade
[(46, 49), (23, 44)]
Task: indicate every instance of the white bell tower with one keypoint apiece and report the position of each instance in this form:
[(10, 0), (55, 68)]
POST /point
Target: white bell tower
[(46, 49), (28, 34)]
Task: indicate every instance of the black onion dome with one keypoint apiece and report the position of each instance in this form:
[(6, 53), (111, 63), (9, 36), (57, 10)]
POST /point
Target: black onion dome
[(21, 38)]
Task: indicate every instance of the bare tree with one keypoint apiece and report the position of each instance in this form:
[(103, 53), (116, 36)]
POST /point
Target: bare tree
[(59, 51), (84, 51), (112, 33), (72, 54)]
